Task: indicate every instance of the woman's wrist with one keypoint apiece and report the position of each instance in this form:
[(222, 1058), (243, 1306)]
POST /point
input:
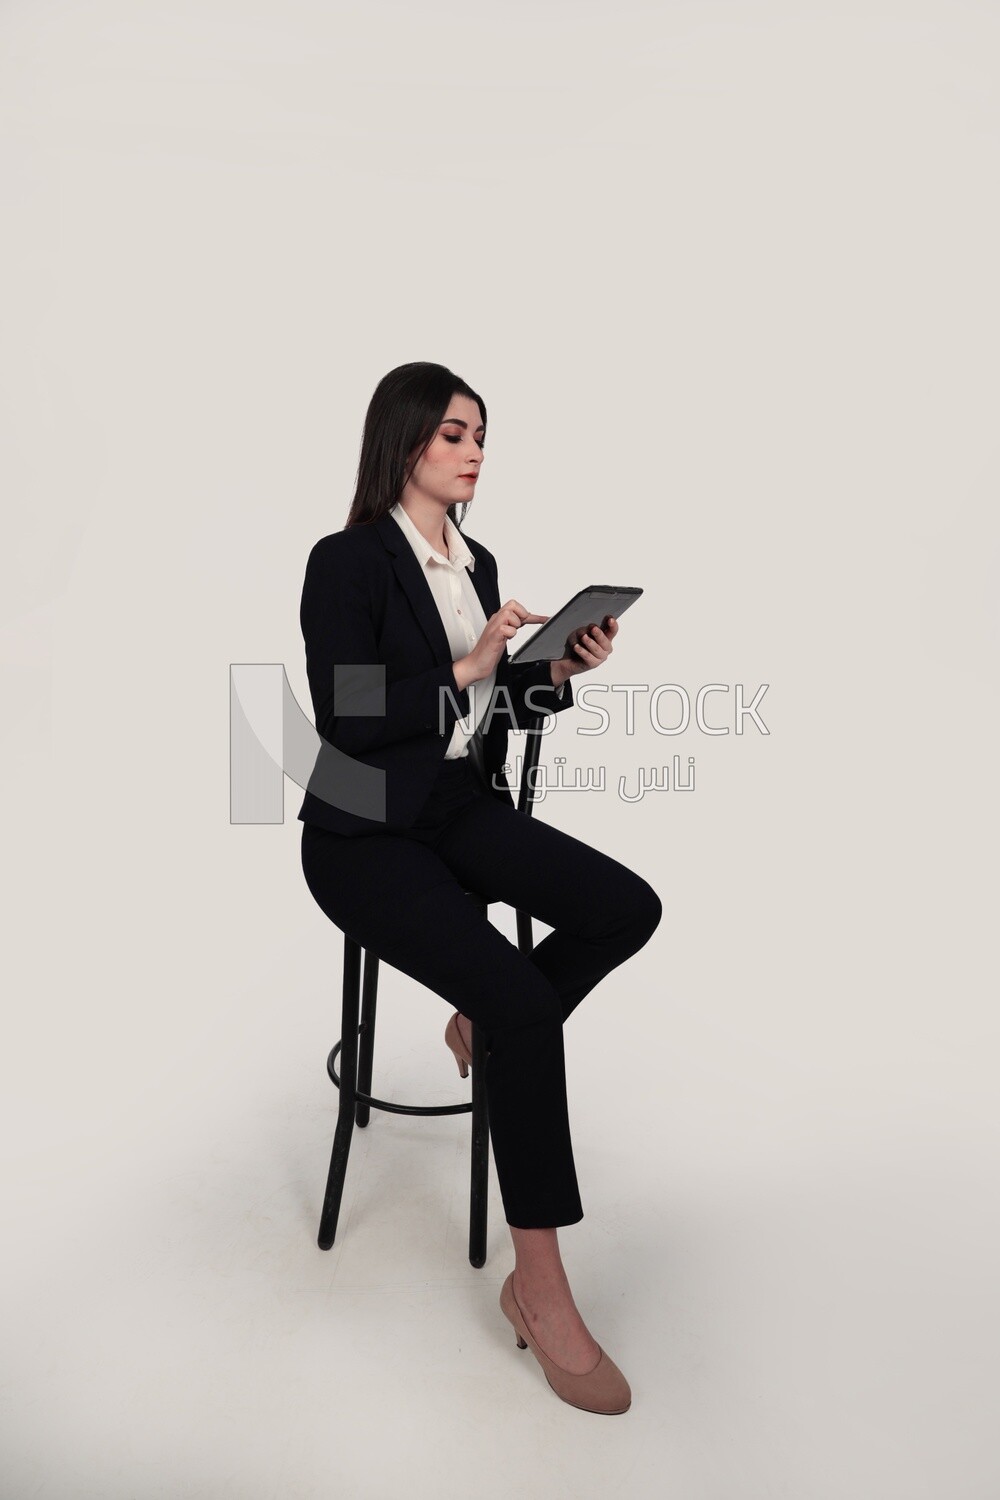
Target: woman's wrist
[(464, 672)]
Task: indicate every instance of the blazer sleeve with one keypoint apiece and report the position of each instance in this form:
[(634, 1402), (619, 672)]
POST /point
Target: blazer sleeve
[(518, 677), (338, 626)]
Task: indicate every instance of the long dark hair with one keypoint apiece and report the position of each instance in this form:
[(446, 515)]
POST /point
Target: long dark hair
[(405, 412)]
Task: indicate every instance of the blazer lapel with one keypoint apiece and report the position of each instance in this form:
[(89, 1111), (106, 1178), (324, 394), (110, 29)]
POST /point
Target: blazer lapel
[(482, 581), (415, 586), (417, 589), (489, 597)]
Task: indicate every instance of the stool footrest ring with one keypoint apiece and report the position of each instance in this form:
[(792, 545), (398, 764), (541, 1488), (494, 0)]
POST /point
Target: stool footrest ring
[(395, 1109)]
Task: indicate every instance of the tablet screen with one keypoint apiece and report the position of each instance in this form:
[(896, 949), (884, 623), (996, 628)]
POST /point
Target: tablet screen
[(591, 606)]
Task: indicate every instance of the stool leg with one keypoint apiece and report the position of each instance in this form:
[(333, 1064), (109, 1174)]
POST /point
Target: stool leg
[(348, 1094), (366, 1050), (480, 1163), (479, 1195)]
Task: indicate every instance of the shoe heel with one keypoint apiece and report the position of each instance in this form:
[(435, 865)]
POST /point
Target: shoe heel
[(520, 1341), (456, 1043)]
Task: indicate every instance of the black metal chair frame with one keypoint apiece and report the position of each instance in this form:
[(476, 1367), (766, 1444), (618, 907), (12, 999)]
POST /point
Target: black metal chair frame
[(357, 1053)]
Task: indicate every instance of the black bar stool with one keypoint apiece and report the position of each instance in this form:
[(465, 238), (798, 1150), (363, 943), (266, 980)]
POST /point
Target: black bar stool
[(357, 1054)]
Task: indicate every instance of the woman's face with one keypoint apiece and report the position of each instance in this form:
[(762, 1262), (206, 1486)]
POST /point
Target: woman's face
[(453, 453)]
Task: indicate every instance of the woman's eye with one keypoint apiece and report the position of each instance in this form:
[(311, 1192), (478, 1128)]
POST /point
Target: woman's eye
[(449, 438)]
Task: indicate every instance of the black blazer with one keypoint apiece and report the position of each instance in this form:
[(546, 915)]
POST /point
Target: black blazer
[(365, 600)]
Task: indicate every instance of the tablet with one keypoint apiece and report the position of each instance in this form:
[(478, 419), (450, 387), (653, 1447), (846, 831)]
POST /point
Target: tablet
[(591, 606)]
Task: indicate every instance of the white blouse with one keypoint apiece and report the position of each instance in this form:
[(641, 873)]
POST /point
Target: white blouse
[(463, 620)]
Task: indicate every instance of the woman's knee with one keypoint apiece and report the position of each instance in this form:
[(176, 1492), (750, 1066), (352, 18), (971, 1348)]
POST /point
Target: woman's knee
[(643, 909)]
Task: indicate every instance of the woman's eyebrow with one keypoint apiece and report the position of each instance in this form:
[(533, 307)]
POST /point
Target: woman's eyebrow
[(460, 423)]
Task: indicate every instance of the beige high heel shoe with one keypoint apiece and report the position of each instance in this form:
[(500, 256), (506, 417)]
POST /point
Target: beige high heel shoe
[(603, 1389), (455, 1041)]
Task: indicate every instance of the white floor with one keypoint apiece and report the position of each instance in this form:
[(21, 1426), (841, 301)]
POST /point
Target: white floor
[(795, 1282)]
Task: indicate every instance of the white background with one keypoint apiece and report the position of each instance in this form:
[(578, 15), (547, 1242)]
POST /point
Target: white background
[(725, 276)]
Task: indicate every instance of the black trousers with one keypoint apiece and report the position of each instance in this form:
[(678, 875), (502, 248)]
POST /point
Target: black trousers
[(401, 893)]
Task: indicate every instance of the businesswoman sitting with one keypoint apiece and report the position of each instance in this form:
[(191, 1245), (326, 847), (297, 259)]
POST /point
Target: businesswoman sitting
[(404, 591)]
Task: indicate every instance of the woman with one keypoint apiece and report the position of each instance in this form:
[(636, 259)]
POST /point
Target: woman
[(406, 651)]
